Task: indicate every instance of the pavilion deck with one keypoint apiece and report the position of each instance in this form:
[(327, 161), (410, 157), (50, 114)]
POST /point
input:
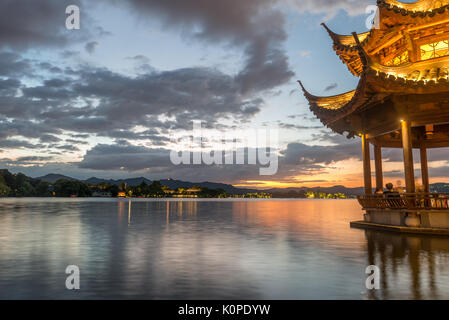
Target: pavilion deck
[(419, 211), (406, 201)]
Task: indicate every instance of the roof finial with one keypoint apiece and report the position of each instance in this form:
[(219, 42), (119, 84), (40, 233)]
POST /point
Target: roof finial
[(332, 34), (306, 93), (327, 28)]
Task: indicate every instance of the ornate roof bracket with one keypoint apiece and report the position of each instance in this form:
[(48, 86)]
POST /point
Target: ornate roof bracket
[(364, 57), (346, 42)]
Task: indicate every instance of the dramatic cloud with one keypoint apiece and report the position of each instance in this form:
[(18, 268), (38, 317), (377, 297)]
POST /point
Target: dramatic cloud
[(17, 144), (25, 23), (296, 159), (257, 26), (191, 93), (124, 121), (299, 153), (91, 46), (297, 126), (331, 87), (156, 162), (396, 155), (124, 157), (99, 101), (438, 172), (331, 7), (11, 64), (24, 128), (33, 159)]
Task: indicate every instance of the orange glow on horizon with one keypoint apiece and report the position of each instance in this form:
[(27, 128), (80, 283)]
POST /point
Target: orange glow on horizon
[(348, 173), (279, 184)]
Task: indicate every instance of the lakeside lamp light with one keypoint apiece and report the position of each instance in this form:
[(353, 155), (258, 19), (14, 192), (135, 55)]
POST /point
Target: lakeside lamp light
[(430, 129)]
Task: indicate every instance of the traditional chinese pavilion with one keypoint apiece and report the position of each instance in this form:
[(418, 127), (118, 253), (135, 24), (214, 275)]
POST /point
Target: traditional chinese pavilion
[(401, 101)]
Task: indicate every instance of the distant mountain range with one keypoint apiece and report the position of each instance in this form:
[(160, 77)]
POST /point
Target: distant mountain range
[(174, 184), (131, 182), (52, 178)]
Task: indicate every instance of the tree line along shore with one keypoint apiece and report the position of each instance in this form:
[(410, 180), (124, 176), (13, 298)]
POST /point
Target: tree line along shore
[(20, 185)]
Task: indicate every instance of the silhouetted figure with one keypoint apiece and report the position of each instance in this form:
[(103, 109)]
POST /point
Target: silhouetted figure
[(390, 193)]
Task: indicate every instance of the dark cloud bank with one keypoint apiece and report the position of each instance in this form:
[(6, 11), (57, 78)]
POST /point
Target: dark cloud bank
[(91, 101), (254, 25)]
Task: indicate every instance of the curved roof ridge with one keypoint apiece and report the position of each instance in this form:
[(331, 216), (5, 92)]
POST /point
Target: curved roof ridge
[(419, 5), (330, 103), (346, 40), (306, 92)]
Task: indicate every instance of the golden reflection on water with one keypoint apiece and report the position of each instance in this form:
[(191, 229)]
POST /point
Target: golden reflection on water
[(308, 218), (421, 261)]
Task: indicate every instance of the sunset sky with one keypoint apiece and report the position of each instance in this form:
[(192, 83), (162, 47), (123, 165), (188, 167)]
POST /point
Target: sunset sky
[(108, 100)]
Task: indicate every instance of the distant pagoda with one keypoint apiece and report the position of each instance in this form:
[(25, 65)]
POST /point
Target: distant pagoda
[(402, 98)]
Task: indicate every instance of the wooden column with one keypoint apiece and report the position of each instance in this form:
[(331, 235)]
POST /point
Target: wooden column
[(379, 171), (424, 169), (408, 156), (366, 166)]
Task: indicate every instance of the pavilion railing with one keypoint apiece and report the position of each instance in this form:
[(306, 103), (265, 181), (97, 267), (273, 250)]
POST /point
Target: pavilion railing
[(406, 201)]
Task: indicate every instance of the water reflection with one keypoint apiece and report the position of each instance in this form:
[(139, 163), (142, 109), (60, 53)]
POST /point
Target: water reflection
[(416, 260), (173, 249)]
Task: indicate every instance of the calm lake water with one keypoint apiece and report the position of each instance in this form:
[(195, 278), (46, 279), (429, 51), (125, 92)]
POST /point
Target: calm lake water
[(261, 249)]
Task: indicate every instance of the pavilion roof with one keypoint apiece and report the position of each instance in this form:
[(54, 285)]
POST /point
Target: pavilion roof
[(395, 19), (378, 82), (418, 6), (346, 48)]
